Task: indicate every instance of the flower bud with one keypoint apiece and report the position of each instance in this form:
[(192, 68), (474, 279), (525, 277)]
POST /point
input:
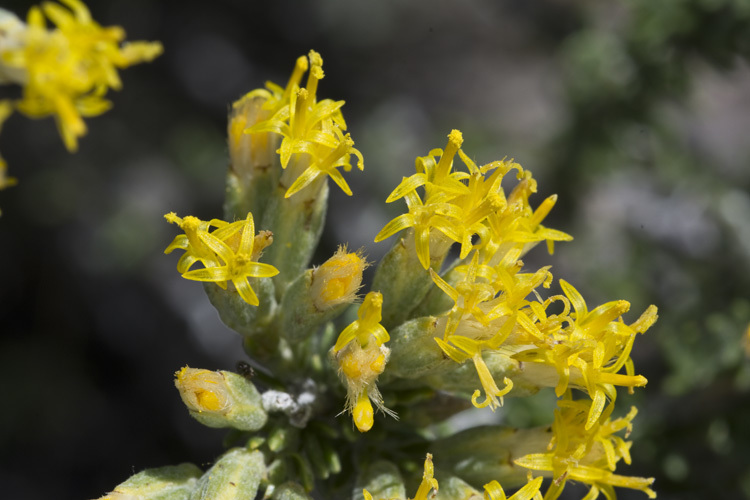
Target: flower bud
[(338, 279), (320, 294), (296, 230), (236, 475), (253, 170), (414, 352), (221, 399), (246, 319), (290, 491), (403, 281), (175, 482)]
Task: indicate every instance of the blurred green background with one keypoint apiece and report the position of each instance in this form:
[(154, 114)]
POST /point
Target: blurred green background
[(635, 112)]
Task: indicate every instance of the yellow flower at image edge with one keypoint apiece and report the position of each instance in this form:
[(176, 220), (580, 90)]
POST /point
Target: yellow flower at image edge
[(587, 455), (6, 108), (233, 244), (494, 491), (66, 71), (428, 484)]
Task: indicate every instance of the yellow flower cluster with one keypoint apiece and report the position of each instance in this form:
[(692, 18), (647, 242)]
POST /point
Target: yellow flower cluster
[(458, 206), (228, 253), (361, 356), (314, 144), (497, 308), (5, 110), (586, 348), (586, 453), (66, 71)]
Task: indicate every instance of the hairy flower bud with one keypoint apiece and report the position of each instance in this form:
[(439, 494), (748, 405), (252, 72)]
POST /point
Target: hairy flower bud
[(175, 482), (236, 475), (320, 294), (221, 399), (338, 279)]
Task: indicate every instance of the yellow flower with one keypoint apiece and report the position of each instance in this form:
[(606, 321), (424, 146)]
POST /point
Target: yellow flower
[(195, 249), (436, 210), (6, 108), (276, 97), (65, 72), (463, 205), (460, 349), (361, 358), (229, 253), (423, 218), (326, 162), (367, 324), (311, 130), (584, 453), (589, 350), (428, 483), (467, 296), (493, 491), (435, 176)]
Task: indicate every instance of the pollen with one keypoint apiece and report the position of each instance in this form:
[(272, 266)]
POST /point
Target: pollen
[(208, 400)]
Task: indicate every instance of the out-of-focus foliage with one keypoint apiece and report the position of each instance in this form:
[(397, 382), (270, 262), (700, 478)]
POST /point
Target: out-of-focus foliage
[(664, 195)]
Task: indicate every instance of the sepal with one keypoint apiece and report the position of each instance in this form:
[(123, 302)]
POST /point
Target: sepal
[(403, 281)]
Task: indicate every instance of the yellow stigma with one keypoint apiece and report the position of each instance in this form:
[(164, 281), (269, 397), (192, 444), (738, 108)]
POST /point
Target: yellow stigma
[(315, 58), (363, 414), (300, 67), (455, 138)]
